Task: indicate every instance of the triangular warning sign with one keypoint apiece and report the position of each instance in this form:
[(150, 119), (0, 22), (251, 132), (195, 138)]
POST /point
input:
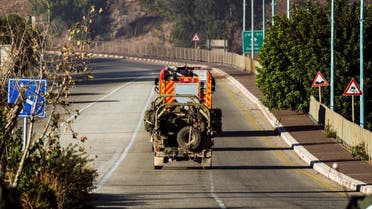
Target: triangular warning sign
[(195, 37), (319, 80), (353, 89)]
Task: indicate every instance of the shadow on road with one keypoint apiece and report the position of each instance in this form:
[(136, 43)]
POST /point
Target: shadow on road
[(240, 167), (253, 133), (300, 128), (239, 149), (86, 94), (117, 200), (92, 101), (143, 200)]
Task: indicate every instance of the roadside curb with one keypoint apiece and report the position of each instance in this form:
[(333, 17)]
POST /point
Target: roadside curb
[(301, 151)]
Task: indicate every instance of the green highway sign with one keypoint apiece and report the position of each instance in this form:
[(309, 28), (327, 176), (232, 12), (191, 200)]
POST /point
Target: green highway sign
[(247, 41)]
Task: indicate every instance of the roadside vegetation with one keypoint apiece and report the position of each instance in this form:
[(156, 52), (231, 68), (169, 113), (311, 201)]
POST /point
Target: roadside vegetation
[(63, 14), (209, 18), (296, 48), (42, 173)]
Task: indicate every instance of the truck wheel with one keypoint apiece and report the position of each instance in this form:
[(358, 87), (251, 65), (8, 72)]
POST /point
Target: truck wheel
[(189, 137)]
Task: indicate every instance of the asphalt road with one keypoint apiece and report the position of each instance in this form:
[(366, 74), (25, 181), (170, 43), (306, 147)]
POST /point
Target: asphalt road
[(252, 166)]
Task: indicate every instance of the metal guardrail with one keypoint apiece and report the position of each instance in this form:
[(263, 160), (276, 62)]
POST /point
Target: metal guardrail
[(348, 133)]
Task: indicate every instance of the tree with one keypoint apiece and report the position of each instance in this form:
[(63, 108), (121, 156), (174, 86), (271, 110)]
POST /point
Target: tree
[(368, 67), (63, 14), (295, 49), (47, 174)]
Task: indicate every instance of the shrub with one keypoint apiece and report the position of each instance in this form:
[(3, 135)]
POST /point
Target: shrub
[(359, 151), (57, 178)]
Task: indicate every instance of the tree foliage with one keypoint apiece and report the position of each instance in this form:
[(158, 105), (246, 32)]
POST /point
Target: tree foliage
[(63, 14), (47, 174), (210, 19), (23, 38), (295, 49)]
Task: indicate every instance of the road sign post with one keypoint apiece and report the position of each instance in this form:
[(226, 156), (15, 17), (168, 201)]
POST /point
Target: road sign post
[(352, 90), (247, 41), (319, 81), (195, 39)]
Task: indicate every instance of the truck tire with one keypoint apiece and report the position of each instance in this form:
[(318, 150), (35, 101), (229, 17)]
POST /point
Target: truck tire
[(216, 120), (189, 137)]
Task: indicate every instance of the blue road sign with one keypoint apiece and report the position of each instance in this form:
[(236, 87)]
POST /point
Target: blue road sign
[(34, 90)]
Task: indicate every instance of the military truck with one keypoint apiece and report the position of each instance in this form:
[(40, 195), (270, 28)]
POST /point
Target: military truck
[(181, 120)]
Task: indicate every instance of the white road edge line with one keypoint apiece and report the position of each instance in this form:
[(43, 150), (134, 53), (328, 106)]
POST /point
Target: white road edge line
[(213, 194), (99, 100), (124, 154)]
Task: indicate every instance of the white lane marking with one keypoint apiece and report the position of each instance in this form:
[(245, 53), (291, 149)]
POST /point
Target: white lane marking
[(213, 194), (124, 154), (100, 99)]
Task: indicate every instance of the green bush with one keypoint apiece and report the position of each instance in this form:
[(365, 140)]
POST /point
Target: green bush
[(57, 178), (295, 49), (359, 151)]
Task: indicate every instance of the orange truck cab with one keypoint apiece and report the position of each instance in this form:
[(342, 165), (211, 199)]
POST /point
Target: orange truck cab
[(187, 80)]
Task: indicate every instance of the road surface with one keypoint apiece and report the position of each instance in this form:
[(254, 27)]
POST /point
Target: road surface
[(252, 166)]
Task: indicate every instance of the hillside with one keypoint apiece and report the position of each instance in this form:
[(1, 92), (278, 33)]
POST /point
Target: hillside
[(14, 6), (127, 20)]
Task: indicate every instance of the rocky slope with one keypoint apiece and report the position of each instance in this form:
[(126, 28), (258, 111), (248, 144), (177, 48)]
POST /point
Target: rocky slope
[(14, 6), (127, 20)]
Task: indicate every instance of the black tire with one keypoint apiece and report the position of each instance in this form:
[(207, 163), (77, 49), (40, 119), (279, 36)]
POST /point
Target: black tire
[(184, 135), (216, 120)]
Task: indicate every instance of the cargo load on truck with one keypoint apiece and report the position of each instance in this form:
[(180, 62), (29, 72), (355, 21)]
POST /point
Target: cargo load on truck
[(181, 120)]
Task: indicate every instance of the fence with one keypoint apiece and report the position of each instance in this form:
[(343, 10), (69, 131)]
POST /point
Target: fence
[(347, 132), (188, 54)]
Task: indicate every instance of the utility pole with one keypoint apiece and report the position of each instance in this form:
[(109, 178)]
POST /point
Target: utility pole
[(332, 56), (288, 9), (244, 5), (272, 12), (361, 71), (252, 29), (263, 19)]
